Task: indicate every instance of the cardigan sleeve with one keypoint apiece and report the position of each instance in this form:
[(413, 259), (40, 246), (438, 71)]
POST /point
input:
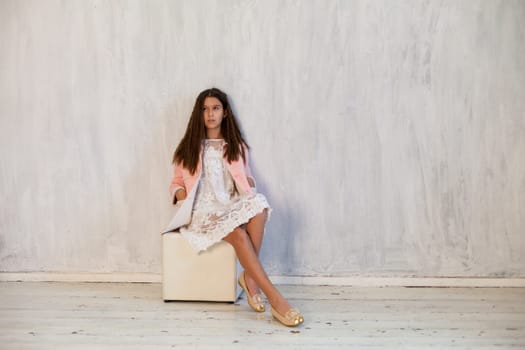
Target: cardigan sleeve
[(177, 182), (247, 168)]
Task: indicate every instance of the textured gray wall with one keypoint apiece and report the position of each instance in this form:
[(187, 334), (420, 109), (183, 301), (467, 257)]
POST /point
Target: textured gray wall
[(389, 136)]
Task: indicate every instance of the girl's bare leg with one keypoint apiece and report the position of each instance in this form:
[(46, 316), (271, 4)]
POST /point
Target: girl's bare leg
[(245, 251), (255, 230)]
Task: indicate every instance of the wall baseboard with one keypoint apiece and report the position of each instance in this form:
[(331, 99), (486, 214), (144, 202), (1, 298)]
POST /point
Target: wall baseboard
[(366, 281), (358, 281), (79, 277)]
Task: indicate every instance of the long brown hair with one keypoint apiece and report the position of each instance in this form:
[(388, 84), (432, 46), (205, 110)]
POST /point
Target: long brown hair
[(189, 148)]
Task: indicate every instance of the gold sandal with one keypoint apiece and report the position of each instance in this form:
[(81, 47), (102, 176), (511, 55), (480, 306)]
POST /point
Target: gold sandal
[(292, 318), (255, 301)]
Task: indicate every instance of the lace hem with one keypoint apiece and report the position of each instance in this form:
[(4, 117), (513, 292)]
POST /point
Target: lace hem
[(210, 228)]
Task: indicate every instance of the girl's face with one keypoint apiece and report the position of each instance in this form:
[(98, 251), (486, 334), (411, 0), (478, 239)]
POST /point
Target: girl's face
[(213, 113)]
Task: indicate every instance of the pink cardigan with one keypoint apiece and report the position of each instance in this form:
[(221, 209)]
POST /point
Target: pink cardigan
[(239, 170)]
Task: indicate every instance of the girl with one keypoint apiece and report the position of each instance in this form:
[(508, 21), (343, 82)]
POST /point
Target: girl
[(213, 181)]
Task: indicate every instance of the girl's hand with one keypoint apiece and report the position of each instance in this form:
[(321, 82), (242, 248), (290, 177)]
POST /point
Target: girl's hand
[(180, 194)]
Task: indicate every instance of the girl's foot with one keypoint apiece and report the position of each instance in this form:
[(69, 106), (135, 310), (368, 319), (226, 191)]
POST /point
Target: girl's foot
[(285, 314), (254, 300), (291, 318), (253, 288)]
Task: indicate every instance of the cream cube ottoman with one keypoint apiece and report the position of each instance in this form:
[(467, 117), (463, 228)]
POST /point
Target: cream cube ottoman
[(210, 275)]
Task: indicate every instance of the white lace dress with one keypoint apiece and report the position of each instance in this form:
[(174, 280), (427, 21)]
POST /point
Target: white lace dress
[(218, 208)]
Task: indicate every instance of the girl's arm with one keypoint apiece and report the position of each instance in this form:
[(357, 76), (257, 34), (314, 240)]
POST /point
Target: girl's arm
[(177, 189)]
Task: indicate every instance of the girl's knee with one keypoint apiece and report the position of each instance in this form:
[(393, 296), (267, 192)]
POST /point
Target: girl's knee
[(237, 237)]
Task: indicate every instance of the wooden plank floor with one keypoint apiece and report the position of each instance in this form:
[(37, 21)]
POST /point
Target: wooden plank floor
[(42, 315)]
